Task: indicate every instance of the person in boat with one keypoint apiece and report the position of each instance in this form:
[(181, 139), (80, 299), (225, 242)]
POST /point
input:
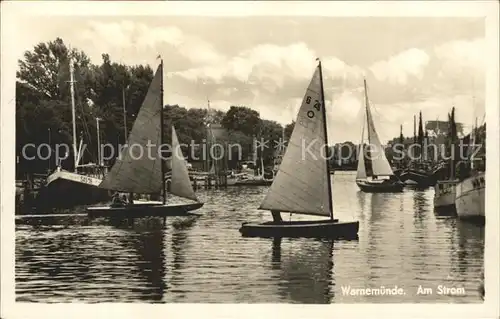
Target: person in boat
[(116, 201), (131, 198), (276, 216)]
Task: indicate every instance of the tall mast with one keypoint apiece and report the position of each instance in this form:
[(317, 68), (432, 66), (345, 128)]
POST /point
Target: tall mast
[(473, 142), (367, 115), (323, 110), (208, 159), (125, 114), (368, 148), (472, 138), (73, 111), (164, 191), (414, 129), (282, 150)]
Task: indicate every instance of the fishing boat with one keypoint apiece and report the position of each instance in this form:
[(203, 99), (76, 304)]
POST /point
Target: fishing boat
[(137, 173), (419, 173), (469, 196), (445, 189), (380, 176), (302, 184), (66, 189)]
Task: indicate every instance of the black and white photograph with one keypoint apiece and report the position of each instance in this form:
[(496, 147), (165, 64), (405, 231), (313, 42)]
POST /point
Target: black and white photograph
[(277, 153)]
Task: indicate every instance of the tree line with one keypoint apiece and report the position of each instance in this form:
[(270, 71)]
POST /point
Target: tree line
[(43, 107)]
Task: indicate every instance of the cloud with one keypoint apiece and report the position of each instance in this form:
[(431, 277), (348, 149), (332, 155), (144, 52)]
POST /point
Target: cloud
[(461, 66), (270, 72), (462, 55), (138, 38), (399, 68), (272, 63)]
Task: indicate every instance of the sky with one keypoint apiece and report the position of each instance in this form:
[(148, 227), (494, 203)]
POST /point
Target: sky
[(410, 64)]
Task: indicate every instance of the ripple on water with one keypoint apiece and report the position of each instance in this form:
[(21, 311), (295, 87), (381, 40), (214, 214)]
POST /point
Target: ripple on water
[(401, 242)]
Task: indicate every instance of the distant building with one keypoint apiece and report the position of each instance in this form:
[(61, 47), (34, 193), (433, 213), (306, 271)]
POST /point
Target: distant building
[(437, 128)]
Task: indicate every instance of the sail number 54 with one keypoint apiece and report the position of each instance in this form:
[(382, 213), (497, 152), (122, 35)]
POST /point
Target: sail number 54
[(317, 106)]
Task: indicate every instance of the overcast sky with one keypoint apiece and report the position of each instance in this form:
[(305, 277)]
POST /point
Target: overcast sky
[(411, 64)]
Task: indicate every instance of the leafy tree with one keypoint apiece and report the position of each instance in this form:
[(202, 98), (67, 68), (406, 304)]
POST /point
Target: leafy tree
[(241, 118), (270, 131), (289, 130)]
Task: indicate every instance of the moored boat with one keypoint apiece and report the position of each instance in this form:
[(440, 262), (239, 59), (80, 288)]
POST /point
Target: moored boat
[(417, 175), (470, 191), (469, 197), (66, 189), (445, 189), (302, 184), (444, 194)]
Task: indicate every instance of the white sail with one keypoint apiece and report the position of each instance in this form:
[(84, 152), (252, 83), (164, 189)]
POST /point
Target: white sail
[(361, 170), (301, 184), (380, 164), (135, 171), (180, 183)]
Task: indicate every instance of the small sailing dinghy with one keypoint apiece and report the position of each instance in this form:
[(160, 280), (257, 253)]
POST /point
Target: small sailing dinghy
[(140, 169), (302, 184), (380, 178)]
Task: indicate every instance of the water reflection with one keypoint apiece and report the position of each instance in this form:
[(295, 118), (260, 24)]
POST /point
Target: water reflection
[(205, 259), (149, 244), (305, 269)]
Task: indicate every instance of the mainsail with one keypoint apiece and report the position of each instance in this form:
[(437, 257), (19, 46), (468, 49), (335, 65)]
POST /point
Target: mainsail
[(138, 168), (302, 182), (181, 185), (380, 164)]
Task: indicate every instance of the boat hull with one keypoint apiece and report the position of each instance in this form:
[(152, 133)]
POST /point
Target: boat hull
[(420, 178), (444, 195), (370, 187), (314, 229), (148, 209), (66, 190), (469, 199), (253, 183)]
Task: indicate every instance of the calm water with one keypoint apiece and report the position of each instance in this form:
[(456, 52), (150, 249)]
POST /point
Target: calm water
[(401, 242)]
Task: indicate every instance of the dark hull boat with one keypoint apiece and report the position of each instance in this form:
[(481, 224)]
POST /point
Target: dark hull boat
[(145, 175), (254, 182), (137, 210), (321, 228), (66, 190), (380, 187), (302, 185), (420, 177)]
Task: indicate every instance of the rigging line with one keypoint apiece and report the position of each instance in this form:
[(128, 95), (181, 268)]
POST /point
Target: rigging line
[(84, 121), (85, 125), (384, 119)]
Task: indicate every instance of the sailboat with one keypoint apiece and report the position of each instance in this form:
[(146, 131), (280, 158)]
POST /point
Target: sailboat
[(302, 184), (381, 177), (143, 171), (66, 189)]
